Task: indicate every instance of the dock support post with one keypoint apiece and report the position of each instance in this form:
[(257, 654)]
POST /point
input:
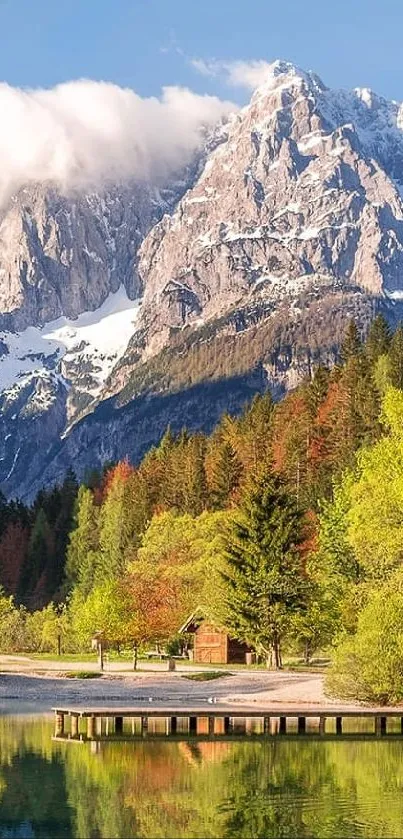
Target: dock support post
[(380, 726), (174, 725), (74, 725), (401, 725), (283, 725), (98, 726), (118, 725), (144, 725), (90, 727), (59, 724), (322, 725), (301, 725), (339, 725), (192, 725), (266, 725), (211, 725), (227, 725)]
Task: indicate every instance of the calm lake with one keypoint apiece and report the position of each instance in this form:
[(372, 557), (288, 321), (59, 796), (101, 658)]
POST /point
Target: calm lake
[(164, 789)]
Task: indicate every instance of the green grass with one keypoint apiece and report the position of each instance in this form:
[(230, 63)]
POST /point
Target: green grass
[(208, 676), (82, 674)]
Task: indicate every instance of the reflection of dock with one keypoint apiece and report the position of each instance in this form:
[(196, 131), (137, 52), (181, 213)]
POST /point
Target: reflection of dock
[(117, 724)]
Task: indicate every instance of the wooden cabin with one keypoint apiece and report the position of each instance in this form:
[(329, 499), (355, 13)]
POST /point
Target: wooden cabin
[(212, 645)]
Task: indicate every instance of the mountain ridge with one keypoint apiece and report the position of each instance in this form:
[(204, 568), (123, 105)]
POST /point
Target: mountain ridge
[(290, 224)]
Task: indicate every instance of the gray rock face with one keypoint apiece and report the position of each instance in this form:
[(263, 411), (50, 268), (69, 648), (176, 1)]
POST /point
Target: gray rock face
[(63, 256), (290, 223), (306, 186)]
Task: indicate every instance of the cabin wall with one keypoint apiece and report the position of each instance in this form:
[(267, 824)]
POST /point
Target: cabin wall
[(210, 645), (214, 647)]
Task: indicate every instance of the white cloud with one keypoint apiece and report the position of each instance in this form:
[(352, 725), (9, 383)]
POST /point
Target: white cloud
[(247, 74), (82, 133)]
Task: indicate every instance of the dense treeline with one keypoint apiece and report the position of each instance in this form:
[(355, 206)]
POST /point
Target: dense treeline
[(273, 524)]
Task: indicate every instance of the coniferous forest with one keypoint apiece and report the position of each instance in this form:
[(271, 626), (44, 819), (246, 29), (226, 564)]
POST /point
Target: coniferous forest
[(284, 526)]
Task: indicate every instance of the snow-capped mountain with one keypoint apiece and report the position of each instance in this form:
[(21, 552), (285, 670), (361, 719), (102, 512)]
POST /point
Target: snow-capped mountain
[(288, 224), (307, 188)]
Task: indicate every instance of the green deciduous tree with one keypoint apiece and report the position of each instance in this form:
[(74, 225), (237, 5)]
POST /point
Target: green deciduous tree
[(368, 666), (374, 517)]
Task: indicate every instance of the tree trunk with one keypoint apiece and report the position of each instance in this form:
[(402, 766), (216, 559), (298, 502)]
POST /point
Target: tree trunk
[(135, 651), (101, 655), (276, 656), (59, 644), (307, 652)]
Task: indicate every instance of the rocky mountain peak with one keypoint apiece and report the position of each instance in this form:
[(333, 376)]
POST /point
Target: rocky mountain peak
[(289, 223), (305, 187)]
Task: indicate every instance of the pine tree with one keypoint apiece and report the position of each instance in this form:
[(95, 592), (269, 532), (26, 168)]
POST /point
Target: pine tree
[(254, 431), (378, 340), (37, 565), (113, 527), (83, 544), (194, 476), (226, 473), (265, 579), (351, 346), (396, 358)]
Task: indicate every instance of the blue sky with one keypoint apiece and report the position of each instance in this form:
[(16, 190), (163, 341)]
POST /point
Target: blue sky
[(146, 44)]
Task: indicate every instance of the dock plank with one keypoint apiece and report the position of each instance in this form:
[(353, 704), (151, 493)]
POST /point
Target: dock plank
[(233, 711)]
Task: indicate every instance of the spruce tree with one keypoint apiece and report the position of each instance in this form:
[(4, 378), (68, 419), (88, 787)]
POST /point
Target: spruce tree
[(37, 566), (80, 565), (226, 475), (265, 582), (378, 340), (351, 346), (396, 358)]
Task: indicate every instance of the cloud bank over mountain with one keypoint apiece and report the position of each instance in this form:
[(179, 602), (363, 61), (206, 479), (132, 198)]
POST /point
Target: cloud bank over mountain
[(244, 74), (81, 134)]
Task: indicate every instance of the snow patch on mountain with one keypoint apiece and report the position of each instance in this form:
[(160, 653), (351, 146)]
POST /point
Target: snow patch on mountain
[(95, 340)]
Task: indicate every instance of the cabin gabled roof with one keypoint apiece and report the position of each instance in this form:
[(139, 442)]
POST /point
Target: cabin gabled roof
[(193, 622)]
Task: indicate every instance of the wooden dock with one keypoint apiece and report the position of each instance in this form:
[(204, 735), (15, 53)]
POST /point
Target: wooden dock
[(208, 721)]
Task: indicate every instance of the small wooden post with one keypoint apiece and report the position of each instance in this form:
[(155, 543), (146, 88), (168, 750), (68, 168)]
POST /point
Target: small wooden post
[(211, 725), (322, 725), (227, 725), (95, 747), (283, 725), (339, 725), (59, 724), (301, 725), (74, 725), (192, 725), (118, 725), (90, 727), (266, 725), (380, 726)]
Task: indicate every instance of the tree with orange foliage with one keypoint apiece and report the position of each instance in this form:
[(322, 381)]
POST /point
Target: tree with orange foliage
[(157, 604)]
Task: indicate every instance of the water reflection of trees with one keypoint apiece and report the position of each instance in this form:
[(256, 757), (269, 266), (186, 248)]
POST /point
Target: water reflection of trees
[(229, 790)]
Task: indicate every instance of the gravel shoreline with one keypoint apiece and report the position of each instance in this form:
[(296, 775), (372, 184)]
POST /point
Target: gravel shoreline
[(38, 692)]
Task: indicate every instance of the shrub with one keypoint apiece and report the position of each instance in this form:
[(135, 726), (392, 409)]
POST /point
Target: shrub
[(368, 666)]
